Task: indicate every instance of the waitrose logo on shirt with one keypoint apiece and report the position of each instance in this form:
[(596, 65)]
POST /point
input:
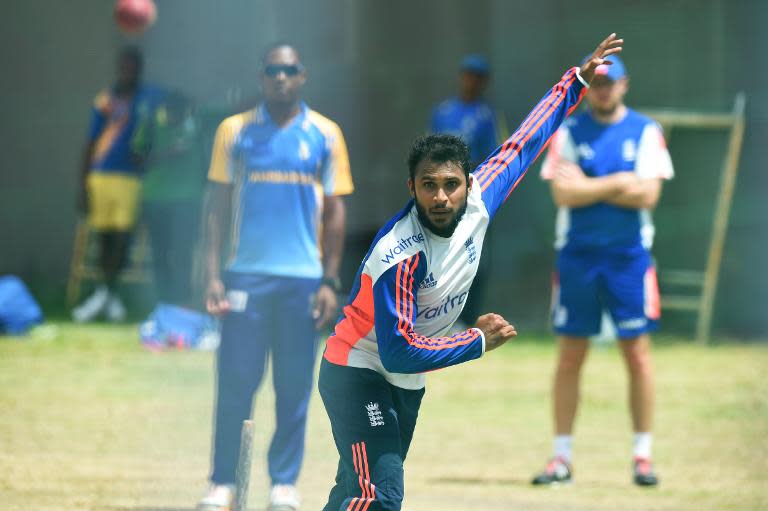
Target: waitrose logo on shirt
[(405, 243)]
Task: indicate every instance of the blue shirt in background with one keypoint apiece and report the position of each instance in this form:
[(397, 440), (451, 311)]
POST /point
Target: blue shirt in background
[(473, 122), (280, 176), (635, 143), (113, 123)]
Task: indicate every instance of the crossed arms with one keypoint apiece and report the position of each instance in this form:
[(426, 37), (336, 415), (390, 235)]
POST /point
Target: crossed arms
[(572, 188)]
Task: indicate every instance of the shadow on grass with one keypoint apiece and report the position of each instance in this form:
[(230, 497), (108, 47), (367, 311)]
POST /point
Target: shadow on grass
[(144, 508), (482, 481), (152, 508)]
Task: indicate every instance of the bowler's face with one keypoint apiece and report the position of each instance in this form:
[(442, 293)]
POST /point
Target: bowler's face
[(440, 191)]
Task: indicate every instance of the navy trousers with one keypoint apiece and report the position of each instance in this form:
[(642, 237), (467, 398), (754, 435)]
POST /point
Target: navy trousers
[(270, 317), (373, 423)]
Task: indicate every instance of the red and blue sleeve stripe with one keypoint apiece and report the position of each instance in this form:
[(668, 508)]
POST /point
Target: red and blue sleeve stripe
[(401, 349), (507, 165)]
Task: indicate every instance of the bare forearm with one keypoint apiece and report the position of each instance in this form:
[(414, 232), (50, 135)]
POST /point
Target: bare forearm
[(215, 215), (334, 220), (644, 194), (583, 192)]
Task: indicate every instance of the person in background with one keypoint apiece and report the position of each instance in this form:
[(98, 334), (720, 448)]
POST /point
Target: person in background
[(110, 181), (173, 188), (278, 176), (605, 167), (470, 117)]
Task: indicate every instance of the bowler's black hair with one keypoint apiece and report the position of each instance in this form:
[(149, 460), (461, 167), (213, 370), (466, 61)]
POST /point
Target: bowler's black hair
[(439, 149)]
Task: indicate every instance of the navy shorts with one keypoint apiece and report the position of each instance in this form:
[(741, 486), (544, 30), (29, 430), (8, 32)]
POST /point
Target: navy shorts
[(270, 318), (622, 283)]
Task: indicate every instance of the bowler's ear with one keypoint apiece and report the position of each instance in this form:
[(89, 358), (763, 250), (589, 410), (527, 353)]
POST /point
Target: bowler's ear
[(411, 188)]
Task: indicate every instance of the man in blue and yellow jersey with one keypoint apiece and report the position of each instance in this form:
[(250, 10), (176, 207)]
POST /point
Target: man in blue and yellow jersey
[(277, 177), (110, 181)]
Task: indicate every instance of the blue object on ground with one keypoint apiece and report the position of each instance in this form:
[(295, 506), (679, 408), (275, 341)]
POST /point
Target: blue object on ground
[(18, 309), (171, 326)]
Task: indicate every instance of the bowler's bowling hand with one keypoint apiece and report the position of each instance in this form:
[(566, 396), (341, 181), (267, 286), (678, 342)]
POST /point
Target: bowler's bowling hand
[(496, 330), (609, 46)]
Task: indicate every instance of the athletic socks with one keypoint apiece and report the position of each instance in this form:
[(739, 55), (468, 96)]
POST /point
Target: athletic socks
[(641, 446), (563, 447)]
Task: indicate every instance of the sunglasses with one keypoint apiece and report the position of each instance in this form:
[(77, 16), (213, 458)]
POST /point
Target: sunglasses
[(272, 70)]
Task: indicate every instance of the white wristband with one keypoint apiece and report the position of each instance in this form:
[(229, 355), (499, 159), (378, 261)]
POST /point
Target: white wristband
[(482, 337), (581, 79)]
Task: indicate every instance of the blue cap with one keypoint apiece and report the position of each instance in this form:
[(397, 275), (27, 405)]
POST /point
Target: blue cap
[(475, 64), (614, 71)]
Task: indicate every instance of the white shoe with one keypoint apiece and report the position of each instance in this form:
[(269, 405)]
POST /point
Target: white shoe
[(220, 497), (115, 309), (284, 497), (92, 306)]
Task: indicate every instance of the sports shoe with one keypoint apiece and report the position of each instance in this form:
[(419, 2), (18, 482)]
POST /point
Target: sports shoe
[(643, 472), (558, 471), (220, 497), (284, 497), (115, 310), (92, 306)]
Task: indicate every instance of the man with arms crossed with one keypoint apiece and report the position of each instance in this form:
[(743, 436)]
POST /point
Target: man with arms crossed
[(605, 167), (410, 289), (278, 174)]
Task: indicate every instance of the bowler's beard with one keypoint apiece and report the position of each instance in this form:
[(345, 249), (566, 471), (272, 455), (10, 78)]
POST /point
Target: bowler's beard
[(443, 232)]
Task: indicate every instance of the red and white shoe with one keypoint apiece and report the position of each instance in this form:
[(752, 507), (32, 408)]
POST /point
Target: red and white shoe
[(642, 469), (558, 471)]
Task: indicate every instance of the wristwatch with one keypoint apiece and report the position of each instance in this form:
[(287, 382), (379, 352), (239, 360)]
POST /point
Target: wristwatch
[(332, 282)]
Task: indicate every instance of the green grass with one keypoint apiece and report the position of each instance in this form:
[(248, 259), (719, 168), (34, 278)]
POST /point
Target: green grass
[(89, 420)]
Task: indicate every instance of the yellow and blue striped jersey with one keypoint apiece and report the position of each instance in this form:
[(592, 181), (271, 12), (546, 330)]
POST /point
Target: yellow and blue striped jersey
[(280, 176), (113, 125)]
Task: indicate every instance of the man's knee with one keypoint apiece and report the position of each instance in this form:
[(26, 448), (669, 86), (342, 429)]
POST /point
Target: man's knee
[(640, 364), (388, 477), (637, 354), (572, 355)]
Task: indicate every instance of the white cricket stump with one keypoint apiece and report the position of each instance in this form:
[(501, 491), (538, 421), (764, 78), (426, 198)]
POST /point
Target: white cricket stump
[(243, 474)]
